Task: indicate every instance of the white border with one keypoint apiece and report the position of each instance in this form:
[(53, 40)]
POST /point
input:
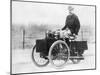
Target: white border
[(5, 36)]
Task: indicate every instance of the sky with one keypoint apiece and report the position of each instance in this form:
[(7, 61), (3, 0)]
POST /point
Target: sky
[(52, 14)]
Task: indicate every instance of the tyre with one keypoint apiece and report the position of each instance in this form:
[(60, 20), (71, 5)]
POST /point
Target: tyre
[(59, 54), (38, 61), (75, 61)]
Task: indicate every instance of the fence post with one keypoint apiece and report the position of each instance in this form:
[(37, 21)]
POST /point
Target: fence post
[(23, 38), (82, 34)]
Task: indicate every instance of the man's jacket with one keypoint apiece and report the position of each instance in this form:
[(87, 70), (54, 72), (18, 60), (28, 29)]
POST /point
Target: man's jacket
[(72, 22)]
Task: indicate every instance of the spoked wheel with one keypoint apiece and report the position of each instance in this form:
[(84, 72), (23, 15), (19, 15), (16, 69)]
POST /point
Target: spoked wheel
[(39, 61), (59, 54), (75, 61)]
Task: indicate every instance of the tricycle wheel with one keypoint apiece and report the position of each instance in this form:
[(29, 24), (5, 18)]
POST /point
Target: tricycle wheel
[(59, 54), (38, 61), (75, 61)]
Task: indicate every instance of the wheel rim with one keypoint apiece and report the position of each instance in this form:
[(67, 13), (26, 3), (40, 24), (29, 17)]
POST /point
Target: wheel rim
[(59, 53), (38, 61)]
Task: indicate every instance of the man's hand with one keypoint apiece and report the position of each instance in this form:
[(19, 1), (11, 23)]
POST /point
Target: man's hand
[(67, 29), (75, 36)]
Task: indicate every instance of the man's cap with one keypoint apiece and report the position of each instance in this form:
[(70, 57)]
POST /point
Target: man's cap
[(70, 8)]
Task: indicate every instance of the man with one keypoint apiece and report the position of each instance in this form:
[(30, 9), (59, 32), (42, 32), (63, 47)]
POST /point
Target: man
[(73, 25), (72, 22)]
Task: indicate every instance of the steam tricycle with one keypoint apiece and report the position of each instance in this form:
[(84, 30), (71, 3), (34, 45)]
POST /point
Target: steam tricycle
[(57, 48)]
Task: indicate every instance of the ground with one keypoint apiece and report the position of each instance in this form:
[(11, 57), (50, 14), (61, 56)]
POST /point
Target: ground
[(22, 62)]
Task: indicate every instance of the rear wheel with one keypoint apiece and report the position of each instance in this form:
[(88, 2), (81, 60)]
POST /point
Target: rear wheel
[(75, 61), (78, 58), (37, 59), (58, 54)]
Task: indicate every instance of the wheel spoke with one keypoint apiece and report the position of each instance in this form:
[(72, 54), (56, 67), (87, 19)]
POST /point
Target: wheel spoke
[(59, 54)]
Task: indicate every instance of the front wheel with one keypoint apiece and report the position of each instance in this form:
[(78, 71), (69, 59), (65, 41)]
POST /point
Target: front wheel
[(59, 54), (37, 59)]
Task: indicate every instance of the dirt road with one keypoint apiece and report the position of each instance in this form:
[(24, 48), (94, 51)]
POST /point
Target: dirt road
[(22, 62)]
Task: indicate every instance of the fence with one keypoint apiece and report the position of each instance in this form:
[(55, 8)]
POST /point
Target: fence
[(25, 38)]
